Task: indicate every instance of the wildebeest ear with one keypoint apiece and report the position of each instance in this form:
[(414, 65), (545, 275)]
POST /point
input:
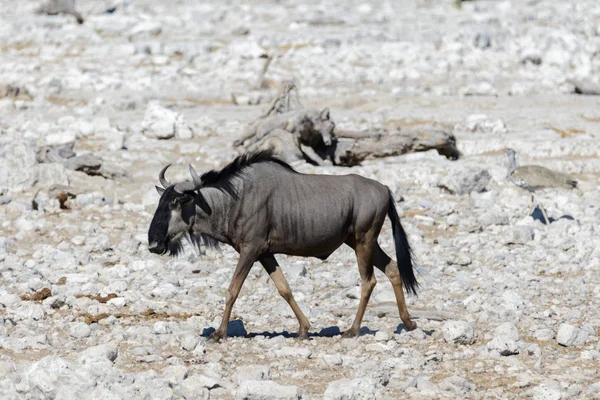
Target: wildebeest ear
[(159, 190), (325, 114)]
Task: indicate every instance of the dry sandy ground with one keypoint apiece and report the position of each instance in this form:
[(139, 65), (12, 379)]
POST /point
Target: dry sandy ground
[(482, 261)]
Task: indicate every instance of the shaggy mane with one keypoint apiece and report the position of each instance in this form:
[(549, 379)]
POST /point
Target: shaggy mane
[(222, 179)]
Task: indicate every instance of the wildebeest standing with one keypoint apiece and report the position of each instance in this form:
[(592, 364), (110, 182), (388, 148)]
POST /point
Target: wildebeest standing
[(260, 206)]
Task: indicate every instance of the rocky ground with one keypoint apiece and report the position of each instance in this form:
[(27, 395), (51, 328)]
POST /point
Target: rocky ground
[(508, 307)]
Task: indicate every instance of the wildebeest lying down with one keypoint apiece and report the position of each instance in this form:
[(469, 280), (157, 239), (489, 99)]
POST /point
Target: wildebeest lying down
[(260, 206)]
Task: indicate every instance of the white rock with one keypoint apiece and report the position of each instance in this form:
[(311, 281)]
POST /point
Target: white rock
[(175, 374), (574, 390), (458, 332), (27, 311), (594, 389), (519, 234), (84, 128), (20, 169), (8, 299), (189, 341), (252, 373), (80, 330), (346, 389), (471, 179), (453, 219), (544, 334), (590, 355), (100, 242), (568, 335), (456, 384), (8, 389), (296, 271), (484, 199), (289, 351), (101, 354), (589, 329), (512, 300), (165, 290), (382, 336), (45, 374), (193, 388), (546, 392), (54, 377), (117, 302), (78, 240), (503, 345), (7, 367), (333, 359), (162, 123), (482, 123), (267, 390), (508, 330), (162, 328), (209, 382), (62, 137), (353, 292)]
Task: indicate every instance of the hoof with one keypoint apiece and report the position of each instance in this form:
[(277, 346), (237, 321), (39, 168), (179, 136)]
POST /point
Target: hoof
[(411, 326), (350, 333), (215, 337), (303, 335)]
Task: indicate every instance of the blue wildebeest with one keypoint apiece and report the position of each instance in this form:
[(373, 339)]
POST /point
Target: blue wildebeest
[(260, 206)]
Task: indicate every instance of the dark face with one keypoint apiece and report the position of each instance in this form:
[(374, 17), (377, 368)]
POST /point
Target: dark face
[(173, 221)]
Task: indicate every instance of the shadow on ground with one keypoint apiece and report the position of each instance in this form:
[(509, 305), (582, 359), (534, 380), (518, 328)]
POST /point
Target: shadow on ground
[(537, 215), (236, 329)]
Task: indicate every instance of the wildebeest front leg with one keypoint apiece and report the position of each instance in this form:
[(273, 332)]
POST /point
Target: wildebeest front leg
[(274, 270), (239, 276), (389, 267), (364, 255)]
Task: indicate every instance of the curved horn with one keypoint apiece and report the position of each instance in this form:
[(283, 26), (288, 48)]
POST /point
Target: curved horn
[(183, 187), (161, 177), (195, 178), (188, 186)]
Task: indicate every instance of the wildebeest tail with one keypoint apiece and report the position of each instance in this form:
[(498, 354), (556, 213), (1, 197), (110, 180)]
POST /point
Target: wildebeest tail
[(403, 251)]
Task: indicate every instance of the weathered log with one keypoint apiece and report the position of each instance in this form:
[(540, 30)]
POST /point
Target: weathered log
[(291, 130), (356, 135), (311, 135), (281, 143), (351, 152), (288, 100)]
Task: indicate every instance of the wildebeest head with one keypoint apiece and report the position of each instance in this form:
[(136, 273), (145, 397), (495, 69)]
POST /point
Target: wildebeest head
[(173, 219)]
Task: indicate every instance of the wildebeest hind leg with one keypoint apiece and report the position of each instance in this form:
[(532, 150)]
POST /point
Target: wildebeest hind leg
[(239, 276), (389, 267), (364, 254), (274, 270)]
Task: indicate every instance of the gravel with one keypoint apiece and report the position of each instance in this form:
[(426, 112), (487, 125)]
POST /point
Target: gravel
[(507, 306)]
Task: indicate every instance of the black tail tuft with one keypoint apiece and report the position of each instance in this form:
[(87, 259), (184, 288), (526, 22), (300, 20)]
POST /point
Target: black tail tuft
[(403, 251)]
